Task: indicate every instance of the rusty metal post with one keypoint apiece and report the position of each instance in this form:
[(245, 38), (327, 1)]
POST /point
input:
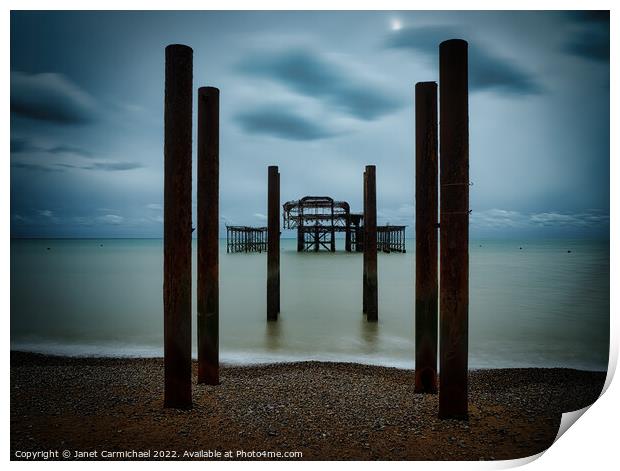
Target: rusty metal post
[(317, 237), (278, 244), (364, 252), (300, 231), (178, 228), (370, 245), (300, 239), (359, 235), (347, 234), (273, 233), (454, 223), (208, 230), (426, 194), (332, 246)]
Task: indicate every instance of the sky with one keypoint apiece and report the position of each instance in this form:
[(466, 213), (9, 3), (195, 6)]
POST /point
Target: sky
[(321, 95)]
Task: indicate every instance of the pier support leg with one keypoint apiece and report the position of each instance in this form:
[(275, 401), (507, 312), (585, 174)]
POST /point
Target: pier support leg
[(332, 232), (178, 228), (454, 222), (273, 236), (364, 253), (300, 239), (347, 234), (208, 229), (370, 245), (426, 193), (317, 238), (278, 245)]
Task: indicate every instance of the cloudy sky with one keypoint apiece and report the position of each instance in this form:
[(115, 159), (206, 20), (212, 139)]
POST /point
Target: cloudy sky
[(320, 94)]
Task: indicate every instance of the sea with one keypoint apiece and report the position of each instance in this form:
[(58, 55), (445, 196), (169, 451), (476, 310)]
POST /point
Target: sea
[(533, 303)]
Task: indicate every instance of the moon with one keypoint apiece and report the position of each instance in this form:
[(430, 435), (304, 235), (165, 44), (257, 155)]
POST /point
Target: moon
[(395, 24)]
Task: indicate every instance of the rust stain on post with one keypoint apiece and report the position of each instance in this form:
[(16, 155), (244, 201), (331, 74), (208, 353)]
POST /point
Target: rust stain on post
[(178, 228), (426, 194), (208, 231), (454, 214), (273, 244), (370, 245)]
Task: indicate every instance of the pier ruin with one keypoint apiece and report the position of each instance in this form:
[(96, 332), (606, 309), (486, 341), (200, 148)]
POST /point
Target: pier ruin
[(318, 219), (246, 239)]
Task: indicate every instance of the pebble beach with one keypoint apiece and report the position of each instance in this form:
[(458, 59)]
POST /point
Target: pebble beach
[(309, 410)]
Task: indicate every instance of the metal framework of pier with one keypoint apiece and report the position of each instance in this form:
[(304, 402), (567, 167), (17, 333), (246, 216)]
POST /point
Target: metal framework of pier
[(318, 219), (391, 239), (246, 239)]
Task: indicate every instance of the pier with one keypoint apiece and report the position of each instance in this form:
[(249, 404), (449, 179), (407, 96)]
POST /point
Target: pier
[(391, 239), (317, 219), (246, 239)]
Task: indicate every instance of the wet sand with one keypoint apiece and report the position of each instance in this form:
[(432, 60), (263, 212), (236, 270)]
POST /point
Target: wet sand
[(326, 411)]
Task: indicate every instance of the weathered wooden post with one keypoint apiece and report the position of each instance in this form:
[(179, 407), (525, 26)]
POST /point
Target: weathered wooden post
[(273, 236), (178, 228), (370, 245), (454, 223), (208, 231), (426, 194)]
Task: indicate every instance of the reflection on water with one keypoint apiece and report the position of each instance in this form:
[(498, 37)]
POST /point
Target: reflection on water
[(369, 332), (272, 335), (538, 306)]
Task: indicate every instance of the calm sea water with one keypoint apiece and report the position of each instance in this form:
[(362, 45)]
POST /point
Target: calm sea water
[(539, 306)]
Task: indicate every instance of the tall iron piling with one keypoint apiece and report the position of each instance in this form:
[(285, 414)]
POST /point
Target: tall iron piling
[(273, 243), (347, 234), (278, 243), (177, 289), (332, 246), (363, 244), (370, 245), (426, 194), (208, 230), (454, 223)]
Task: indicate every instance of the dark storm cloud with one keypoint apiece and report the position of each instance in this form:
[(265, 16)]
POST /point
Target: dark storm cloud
[(21, 146), (592, 45), (114, 166), (35, 167), (105, 166), (590, 16), (61, 167), (591, 40), (51, 98), (281, 123), (311, 74), (69, 149), (24, 146), (487, 71)]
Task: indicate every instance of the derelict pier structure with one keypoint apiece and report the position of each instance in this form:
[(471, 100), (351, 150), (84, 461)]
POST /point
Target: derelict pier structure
[(318, 219)]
